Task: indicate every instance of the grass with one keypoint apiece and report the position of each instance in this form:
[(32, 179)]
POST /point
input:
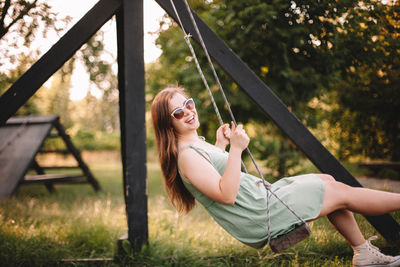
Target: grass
[(41, 229)]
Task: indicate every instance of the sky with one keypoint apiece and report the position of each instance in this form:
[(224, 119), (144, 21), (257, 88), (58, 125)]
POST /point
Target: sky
[(77, 9)]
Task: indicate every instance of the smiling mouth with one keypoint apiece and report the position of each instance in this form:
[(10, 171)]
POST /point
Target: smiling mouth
[(190, 119)]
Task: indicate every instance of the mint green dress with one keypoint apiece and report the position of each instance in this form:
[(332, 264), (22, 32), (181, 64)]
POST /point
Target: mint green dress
[(246, 219)]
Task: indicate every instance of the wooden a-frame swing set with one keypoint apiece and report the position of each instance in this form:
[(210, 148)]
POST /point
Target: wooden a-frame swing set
[(131, 83)]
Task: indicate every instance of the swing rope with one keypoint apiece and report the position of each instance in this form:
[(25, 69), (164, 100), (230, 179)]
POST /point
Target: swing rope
[(262, 180)]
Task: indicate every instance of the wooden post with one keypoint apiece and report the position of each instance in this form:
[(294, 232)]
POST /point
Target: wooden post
[(77, 155), (132, 115)]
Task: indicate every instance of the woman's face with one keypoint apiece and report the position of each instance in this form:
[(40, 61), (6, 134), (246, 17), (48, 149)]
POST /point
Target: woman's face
[(189, 121)]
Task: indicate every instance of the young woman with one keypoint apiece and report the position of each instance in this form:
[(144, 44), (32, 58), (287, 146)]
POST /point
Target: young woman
[(194, 169)]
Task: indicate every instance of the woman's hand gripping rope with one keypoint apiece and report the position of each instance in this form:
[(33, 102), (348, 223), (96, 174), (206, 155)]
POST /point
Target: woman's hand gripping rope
[(236, 136)]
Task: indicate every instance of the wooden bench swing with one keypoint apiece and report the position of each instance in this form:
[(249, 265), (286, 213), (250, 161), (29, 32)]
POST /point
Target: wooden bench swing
[(21, 140)]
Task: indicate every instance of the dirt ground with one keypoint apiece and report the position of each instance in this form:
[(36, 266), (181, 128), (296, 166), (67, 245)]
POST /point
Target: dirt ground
[(379, 183)]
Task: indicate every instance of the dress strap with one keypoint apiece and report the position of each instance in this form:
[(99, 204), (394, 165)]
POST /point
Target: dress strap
[(201, 151)]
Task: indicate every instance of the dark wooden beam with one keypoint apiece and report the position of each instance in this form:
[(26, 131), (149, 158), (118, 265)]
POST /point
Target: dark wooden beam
[(131, 84), (50, 62), (263, 96), (77, 155)]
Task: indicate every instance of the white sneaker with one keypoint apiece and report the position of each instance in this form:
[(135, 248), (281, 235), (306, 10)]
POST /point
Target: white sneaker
[(367, 255)]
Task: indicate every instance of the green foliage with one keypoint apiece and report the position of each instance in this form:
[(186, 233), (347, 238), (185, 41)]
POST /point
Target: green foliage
[(389, 173), (89, 140), (55, 98), (368, 94), (280, 156), (277, 41)]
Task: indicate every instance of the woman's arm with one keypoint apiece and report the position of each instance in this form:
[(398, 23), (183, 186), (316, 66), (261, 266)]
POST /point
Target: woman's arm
[(198, 171)]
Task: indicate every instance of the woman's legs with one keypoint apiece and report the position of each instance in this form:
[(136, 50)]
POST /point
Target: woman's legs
[(346, 225), (340, 200), (366, 201), (343, 220)]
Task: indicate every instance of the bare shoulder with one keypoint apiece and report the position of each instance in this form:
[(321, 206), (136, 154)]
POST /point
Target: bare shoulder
[(188, 156), (191, 163)]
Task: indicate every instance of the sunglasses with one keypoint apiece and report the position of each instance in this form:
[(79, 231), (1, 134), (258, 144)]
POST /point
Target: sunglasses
[(178, 113)]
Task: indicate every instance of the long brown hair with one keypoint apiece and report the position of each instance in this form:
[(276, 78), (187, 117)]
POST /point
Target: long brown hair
[(167, 145)]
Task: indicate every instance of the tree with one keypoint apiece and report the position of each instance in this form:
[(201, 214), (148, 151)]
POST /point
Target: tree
[(20, 22), (368, 94)]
